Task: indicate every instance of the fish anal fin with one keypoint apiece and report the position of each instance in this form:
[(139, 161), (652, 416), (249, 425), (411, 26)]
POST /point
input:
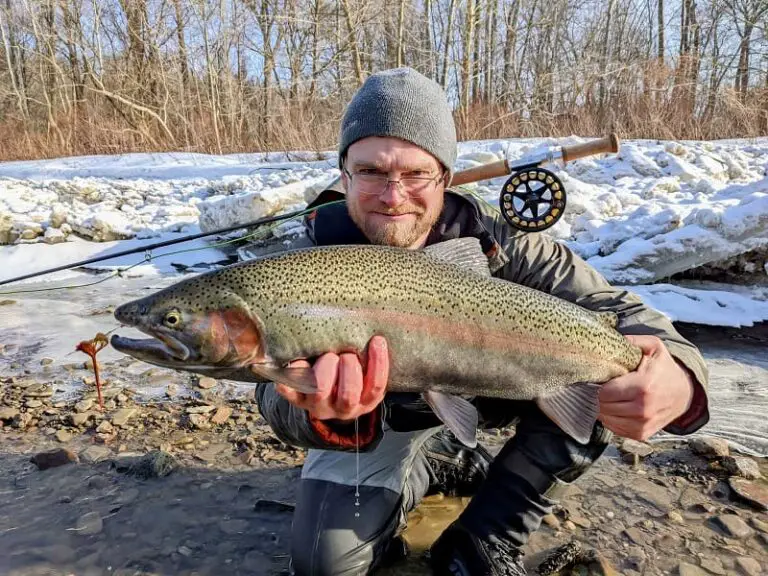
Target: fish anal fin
[(300, 378), (465, 252), (458, 414), (573, 408)]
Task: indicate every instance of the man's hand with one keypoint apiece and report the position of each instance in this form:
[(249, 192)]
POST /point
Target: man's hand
[(346, 389), (639, 404)]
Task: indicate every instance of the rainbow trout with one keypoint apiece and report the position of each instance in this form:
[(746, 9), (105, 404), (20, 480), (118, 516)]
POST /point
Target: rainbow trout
[(453, 330)]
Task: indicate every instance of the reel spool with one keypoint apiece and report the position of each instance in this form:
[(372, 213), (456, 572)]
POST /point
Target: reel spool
[(532, 199)]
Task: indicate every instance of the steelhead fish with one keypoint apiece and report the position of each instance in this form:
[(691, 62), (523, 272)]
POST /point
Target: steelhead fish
[(452, 329)]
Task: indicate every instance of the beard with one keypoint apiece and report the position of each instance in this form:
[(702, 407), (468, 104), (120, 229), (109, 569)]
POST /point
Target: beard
[(399, 234)]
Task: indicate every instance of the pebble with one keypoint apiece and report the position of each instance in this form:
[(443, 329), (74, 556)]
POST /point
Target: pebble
[(629, 446), (89, 524), (200, 409), (46, 361), (199, 421), (33, 403), (84, 405), (222, 415), (709, 446), (580, 521), (105, 427), (184, 551), (754, 493), (759, 524), (675, 517), (636, 536), (22, 421), (733, 525), (8, 413), (712, 564), (748, 566), (552, 521), (53, 458), (63, 436), (568, 525), (81, 418), (686, 569), (206, 383), (121, 417), (232, 527), (94, 454), (741, 466)]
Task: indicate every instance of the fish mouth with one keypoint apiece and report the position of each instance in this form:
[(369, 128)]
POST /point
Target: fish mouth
[(162, 347)]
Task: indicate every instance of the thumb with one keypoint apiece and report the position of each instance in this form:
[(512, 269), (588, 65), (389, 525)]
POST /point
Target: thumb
[(650, 345)]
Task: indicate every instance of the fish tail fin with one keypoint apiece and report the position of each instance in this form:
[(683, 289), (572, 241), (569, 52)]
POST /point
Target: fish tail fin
[(458, 414), (573, 408), (300, 378)]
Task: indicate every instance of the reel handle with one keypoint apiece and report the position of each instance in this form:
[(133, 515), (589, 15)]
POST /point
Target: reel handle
[(484, 172), (603, 145)]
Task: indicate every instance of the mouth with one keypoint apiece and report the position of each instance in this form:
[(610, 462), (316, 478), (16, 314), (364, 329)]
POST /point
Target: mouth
[(161, 348)]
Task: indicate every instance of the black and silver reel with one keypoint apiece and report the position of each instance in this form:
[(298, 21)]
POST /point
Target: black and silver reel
[(532, 199)]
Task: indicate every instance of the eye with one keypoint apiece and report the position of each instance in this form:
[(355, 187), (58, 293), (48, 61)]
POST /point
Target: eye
[(172, 319)]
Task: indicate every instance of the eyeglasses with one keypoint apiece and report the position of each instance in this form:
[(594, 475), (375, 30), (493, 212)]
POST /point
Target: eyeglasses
[(371, 182)]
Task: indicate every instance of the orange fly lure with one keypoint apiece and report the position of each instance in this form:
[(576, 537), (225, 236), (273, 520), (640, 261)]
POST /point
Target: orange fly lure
[(93, 347)]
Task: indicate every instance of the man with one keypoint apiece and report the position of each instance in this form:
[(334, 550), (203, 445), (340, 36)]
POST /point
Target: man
[(373, 456)]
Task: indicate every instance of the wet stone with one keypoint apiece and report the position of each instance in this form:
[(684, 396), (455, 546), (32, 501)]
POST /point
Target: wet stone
[(53, 458), (712, 564), (38, 391), (733, 526), (753, 493), (33, 403), (95, 454), (84, 405), (222, 415), (630, 446), (636, 535), (63, 436), (709, 446), (200, 409), (121, 417), (686, 569), (89, 524), (80, 419), (7, 413), (105, 427), (759, 525), (206, 383), (741, 466), (748, 566), (232, 527)]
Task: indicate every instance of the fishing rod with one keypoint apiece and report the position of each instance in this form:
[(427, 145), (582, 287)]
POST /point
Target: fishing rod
[(529, 187)]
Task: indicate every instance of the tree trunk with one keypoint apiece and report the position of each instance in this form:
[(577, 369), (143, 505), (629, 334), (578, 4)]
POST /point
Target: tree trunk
[(353, 43), (447, 45), (661, 31), (183, 57), (400, 26), (509, 75), (466, 66)]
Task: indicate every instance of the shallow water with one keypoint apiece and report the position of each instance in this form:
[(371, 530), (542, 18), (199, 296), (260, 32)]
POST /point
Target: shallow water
[(50, 324)]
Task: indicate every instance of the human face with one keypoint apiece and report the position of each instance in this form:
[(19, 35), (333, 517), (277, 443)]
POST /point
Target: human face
[(387, 213)]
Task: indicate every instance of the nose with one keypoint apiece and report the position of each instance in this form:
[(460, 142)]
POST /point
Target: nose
[(127, 313), (392, 195)]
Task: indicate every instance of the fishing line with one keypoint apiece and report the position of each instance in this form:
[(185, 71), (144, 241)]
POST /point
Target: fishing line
[(357, 468)]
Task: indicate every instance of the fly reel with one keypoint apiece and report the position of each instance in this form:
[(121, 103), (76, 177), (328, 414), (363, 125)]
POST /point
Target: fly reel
[(532, 199)]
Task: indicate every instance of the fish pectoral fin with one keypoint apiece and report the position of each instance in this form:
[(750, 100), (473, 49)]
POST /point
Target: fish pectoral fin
[(300, 378), (574, 408), (458, 414), (465, 252)]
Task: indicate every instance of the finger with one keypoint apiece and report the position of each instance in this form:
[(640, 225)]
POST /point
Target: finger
[(326, 373), (293, 396), (350, 384), (622, 389), (650, 345), (376, 373), (631, 409)]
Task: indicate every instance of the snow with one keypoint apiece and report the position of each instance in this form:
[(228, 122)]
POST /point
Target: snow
[(655, 209)]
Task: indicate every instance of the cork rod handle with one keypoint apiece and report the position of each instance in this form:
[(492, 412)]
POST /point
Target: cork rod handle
[(484, 172), (608, 144)]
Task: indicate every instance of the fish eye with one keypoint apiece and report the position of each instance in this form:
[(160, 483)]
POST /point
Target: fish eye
[(172, 318)]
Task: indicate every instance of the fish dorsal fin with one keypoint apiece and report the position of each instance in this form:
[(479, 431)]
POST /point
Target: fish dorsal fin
[(458, 414), (610, 319), (465, 252), (574, 408)]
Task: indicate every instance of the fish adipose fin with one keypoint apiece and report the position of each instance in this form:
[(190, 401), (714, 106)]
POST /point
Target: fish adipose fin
[(301, 378), (573, 408), (464, 252), (458, 414)]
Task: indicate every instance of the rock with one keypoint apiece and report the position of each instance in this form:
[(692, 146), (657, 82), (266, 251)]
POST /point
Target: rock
[(691, 498), (33, 403), (741, 466), (121, 417), (53, 458), (184, 551), (200, 409), (94, 454), (629, 446), (22, 421), (210, 453), (685, 569), (80, 419), (759, 524), (199, 421), (751, 492), (709, 446), (7, 413), (552, 521), (156, 464), (46, 361), (222, 415), (84, 405), (63, 436), (636, 535), (54, 236), (171, 390), (653, 494), (206, 383), (748, 566), (636, 558), (712, 564), (733, 526), (675, 517), (105, 427), (568, 525), (98, 482), (580, 521), (89, 524)]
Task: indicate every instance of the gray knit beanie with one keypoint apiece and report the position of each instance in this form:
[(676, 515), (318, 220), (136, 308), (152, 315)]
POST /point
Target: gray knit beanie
[(404, 104)]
